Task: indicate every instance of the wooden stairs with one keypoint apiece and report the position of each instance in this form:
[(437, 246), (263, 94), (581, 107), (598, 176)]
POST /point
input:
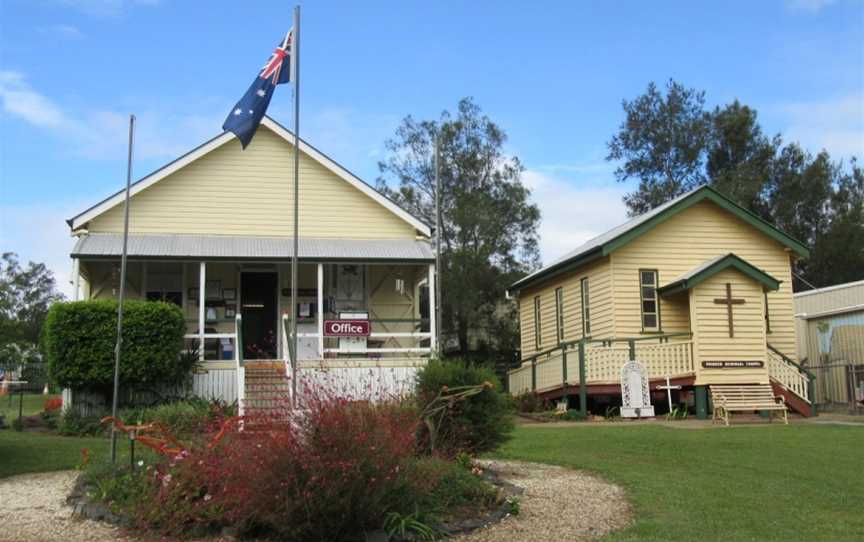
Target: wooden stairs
[(268, 390)]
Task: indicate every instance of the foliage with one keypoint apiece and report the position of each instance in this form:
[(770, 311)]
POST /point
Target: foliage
[(529, 401), (671, 143), (476, 425), (80, 339), (571, 415), (513, 505), (183, 418), (53, 403), (679, 412), (441, 488), (402, 527), (324, 474), (488, 225), (75, 424), (26, 293), (661, 143)]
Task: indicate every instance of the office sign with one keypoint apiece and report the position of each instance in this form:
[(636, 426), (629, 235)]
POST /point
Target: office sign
[(346, 328)]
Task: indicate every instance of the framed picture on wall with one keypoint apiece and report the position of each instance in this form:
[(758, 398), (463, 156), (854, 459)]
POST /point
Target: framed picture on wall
[(229, 294), (230, 311), (213, 289)]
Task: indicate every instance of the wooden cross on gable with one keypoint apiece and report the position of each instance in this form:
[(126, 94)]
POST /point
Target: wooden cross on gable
[(729, 301)]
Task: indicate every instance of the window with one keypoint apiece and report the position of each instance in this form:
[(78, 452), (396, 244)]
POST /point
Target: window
[(537, 341), (559, 314), (767, 316), (586, 309), (648, 297)]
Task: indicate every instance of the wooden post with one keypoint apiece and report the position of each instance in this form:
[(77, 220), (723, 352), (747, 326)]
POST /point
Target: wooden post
[(632, 346), (76, 278), (564, 374), (321, 310), (202, 282), (534, 374), (433, 324), (701, 393), (583, 386)]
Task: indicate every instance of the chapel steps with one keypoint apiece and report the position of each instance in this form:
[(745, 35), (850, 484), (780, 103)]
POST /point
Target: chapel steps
[(793, 400)]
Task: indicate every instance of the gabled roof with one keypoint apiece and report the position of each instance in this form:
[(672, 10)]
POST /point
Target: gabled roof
[(713, 266), (606, 243), (213, 144)]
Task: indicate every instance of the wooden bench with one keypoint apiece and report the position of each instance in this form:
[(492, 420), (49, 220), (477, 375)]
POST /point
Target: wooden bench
[(728, 398)]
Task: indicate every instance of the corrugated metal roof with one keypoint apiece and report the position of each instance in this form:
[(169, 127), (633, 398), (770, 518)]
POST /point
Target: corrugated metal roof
[(103, 245)]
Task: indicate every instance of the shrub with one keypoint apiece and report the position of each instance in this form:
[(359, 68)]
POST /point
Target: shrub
[(529, 401), (74, 424), (479, 424), (324, 475), (52, 404), (182, 418), (79, 339)]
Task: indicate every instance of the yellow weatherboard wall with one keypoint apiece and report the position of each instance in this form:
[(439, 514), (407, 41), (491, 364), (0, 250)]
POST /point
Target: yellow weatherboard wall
[(683, 242), (711, 329), (599, 301), (230, 191)]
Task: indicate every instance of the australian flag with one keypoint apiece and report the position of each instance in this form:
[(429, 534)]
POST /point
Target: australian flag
[(245, 117)]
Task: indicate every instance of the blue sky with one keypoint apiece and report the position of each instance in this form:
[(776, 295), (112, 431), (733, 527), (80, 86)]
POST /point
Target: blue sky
[(552, 74)]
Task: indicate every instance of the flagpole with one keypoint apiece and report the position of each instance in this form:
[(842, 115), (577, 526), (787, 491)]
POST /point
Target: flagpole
[(295, 66), (437, 292), (122, 293)]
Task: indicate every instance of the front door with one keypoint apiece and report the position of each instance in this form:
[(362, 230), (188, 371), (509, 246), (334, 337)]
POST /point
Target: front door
[(258, 308)]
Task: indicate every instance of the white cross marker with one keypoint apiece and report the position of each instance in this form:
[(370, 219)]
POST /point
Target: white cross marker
[(668, 387)]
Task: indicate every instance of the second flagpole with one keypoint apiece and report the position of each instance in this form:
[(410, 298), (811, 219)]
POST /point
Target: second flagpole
[(295, 66)]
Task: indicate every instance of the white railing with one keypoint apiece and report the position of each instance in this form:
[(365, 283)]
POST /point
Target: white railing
[(603, 363), (241, 371), (788, 375)]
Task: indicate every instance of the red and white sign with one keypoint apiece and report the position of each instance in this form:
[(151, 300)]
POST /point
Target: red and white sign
[(346, 328)]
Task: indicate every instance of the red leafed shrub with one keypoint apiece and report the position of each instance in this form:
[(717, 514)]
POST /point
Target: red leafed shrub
[(323, 473), (55, 403)]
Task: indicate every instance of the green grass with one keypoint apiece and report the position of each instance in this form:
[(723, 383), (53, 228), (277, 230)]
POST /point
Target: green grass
[(25, 452), (33, 403), (741, 483)]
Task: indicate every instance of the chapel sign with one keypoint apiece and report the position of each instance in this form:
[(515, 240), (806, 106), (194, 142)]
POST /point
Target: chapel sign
[(748, 364)]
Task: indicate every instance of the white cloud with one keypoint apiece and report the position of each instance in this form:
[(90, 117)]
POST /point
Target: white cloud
[(101, 134), (24, 102), (37, 232), (61, 31), (808, 6), (836, 125), (572, 212)]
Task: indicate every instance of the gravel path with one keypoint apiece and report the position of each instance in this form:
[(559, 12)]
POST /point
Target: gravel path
[(33, 508), (558, 504)]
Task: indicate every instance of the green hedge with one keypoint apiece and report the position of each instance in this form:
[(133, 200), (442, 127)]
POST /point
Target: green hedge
[(479, 424), (79, 339)]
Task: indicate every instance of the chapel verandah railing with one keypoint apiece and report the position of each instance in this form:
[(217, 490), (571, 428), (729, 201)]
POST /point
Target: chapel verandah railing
[(588, 361)]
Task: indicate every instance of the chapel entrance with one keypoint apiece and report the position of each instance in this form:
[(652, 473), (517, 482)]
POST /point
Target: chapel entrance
[(258, 307)]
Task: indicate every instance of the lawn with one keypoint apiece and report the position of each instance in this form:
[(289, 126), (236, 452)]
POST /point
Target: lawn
[(38, 452), (33, 404), (741, 483)]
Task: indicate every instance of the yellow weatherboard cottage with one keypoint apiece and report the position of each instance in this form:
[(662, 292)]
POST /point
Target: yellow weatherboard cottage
[(699, 290), (211, 232)]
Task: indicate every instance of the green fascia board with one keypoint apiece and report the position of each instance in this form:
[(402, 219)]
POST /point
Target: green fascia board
[(731, 260), (708, 193)]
